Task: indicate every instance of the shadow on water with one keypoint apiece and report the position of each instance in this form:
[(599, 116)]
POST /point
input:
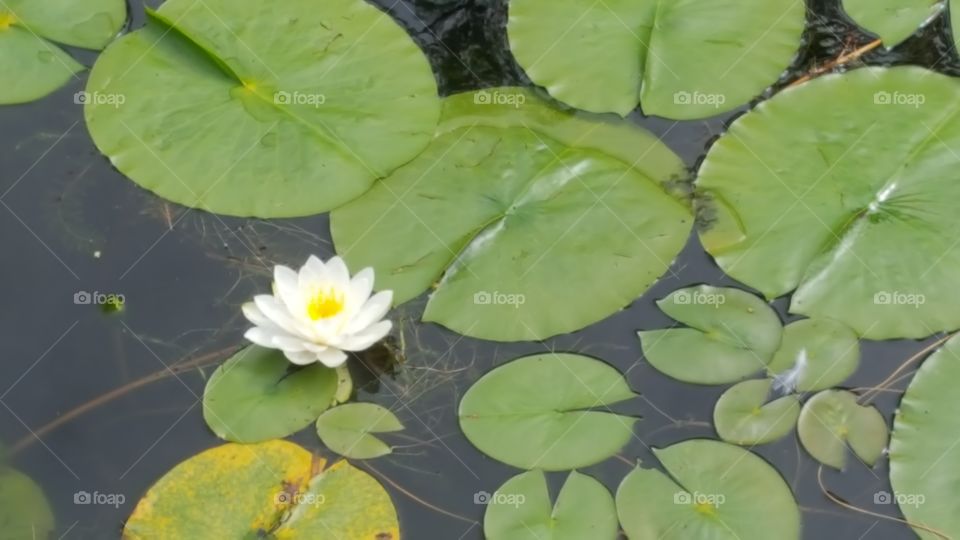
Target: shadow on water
[(71, 223)]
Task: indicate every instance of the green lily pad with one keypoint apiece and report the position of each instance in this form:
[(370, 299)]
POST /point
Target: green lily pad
[(924, 467), (264, 490), (680, 60), (714, 490), (267, 110), (527, 221), (540, 412), (521, 510), (258, 395), (892, 20), (743, 416), (732, 334), (828, 203), (347, 429), (832, 419), (815, 354), (32, 64), (24, 510)]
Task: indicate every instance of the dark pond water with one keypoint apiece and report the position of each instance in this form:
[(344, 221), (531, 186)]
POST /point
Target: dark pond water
[(70, 223)]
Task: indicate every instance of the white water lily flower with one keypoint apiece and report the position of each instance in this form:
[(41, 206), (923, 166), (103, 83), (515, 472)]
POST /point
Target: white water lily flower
[(317, 314)]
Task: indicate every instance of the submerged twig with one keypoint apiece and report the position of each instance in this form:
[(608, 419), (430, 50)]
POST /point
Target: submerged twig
[(838, 61), (893, 377)]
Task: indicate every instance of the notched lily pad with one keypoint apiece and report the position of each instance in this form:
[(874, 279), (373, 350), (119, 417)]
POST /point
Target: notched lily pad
[(680, 60), (924, 462), (714, 490), (830, 203), (32, 64), (832, 419), (526, 221), (24, 509), (264, 490), (893, 20), (347, 429), (267, 110), (521, 510), (732, 334), (815, 354), (545, 412), (257, 395), (744, 416)]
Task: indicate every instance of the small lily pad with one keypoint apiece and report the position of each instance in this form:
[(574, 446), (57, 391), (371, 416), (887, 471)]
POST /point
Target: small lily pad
[(33, 66), (540, 412), (732, 334), (743, 416), (892, 20), (24, 509), (264, 490), (271, 110), (714, 490), (347, 429), (258, 395), (815, 354), (521, 510), (832, 419)]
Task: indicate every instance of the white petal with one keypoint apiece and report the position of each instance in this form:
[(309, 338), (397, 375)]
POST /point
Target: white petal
[(261, 337), (289, 343), (287, 287), (362, 285), (332, 358), (339, 272), (371, 312), (312, 272), (368, 337), (276, 312), (254, 315), (301, 358)]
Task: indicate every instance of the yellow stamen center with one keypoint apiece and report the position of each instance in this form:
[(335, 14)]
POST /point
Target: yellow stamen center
[(325, 303), (705, 509), (7, 20)]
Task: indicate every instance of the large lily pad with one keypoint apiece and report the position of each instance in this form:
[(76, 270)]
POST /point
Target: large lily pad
[(681, 60), (24, 510), (33, 66), (743, 416), (269, 110), (540, 412), (832, 419), (714, 490), (731, 335), (892, 20), (521, 510), (526, 220), (924, 464), (815, 354), (347, 429), (258, 395), (829, 203), (265, 490)]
